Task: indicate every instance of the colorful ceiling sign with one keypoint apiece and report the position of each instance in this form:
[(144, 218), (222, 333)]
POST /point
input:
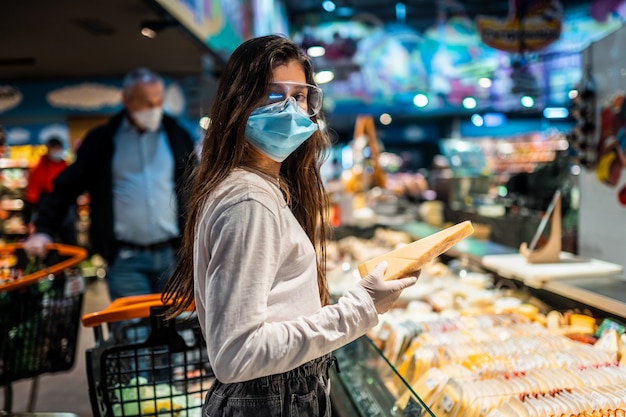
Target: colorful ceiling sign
[(531, 26), (383, 68), (221, 24), (224, 24)]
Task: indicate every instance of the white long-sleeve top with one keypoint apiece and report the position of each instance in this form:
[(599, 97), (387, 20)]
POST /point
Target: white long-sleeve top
[(256, 288)]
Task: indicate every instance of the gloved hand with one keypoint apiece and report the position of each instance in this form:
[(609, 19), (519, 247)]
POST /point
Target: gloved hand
[(35, 244), (385, 293)]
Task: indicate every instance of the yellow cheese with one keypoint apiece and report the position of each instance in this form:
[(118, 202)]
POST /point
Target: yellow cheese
[(582, 323), (448, 402), (408, 259), (528, 310), (609, 342)]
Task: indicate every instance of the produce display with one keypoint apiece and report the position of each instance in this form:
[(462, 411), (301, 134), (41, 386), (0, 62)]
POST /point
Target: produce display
[(11, 269), (139, 397)]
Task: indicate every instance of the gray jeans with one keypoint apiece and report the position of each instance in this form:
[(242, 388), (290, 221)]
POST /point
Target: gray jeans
[(301, 392)]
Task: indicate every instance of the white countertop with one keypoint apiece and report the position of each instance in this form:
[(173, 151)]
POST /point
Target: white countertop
[(536, 275)]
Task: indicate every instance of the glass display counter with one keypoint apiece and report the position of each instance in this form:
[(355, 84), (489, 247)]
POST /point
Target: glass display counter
[(473, 364), (370, 385)]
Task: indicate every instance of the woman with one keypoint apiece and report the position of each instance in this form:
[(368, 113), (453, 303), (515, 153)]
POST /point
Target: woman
[(257, 213)]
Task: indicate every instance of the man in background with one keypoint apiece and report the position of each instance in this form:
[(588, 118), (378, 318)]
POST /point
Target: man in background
[(134, 168)]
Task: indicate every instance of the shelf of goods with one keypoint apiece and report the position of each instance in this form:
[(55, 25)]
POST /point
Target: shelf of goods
[(13, 181), (459, 343)]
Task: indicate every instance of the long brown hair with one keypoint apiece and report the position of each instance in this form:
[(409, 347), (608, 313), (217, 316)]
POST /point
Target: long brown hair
[(242, 88)]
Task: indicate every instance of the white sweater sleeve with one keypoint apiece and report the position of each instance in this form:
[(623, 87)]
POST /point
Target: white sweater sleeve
[(242, 343)]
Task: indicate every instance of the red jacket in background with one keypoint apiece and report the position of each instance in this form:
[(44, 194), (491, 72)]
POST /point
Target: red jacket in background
[(41, 178)]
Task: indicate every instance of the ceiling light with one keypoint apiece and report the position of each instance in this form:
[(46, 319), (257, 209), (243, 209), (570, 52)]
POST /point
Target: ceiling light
[(562, 145), (324, 77), (477, 120), (151, 28), (316, 51), (484, 82), (148, 32), (204, 122), (400, 12), (329, 6), (527, 101), (555, 112), (385, 119), (470, 103), (420, 100)]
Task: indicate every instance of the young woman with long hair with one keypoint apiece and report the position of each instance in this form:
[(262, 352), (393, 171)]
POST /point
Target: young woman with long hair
[(253, 251)]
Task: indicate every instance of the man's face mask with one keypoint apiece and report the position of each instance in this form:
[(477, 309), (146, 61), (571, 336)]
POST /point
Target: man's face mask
[(284, 122), (149, 119)]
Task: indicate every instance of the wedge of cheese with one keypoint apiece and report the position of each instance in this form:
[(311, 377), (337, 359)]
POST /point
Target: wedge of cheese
[(406, 260)]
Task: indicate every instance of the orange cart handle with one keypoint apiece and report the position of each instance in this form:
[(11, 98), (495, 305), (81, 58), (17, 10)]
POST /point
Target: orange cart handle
[(74, 255), (124, 308)]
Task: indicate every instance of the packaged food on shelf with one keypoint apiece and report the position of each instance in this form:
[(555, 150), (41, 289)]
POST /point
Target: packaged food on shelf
[(468, 348)]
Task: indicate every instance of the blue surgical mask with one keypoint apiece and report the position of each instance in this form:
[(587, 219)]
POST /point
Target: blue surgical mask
[(279, 129)]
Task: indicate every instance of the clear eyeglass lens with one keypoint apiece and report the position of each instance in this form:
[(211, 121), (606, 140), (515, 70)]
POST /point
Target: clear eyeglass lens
[(307, 96)]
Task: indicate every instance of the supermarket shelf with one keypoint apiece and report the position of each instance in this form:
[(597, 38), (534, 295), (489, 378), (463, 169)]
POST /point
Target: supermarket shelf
[(537, 275), (606, 293), (604, 290)]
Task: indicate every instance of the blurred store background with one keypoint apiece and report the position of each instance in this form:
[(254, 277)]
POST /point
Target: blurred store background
[(465, 109), (440, 111)]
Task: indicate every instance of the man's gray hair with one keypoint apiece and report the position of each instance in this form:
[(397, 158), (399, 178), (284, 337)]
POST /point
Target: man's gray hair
[(138, 76)]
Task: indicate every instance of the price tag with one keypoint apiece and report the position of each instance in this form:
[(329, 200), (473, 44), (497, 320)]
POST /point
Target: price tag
[(74, 283), (447, 403), (413, 408)]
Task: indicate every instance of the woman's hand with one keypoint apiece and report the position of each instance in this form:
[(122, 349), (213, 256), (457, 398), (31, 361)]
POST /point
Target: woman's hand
[(385, 293)]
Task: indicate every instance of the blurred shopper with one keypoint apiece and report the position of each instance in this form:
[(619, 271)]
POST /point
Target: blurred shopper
[(41, 176), (258, 212), (4, 190), (134, 168), (3, 142)]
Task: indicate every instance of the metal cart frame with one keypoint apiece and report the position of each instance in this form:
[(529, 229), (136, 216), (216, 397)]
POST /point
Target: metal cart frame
[(39, 317), (147, 365)]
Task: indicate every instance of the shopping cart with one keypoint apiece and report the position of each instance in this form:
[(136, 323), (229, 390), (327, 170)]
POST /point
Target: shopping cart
[(143, 364), (40, 309)]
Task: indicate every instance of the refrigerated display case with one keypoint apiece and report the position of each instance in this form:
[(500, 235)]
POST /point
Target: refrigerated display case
[(369, 384)]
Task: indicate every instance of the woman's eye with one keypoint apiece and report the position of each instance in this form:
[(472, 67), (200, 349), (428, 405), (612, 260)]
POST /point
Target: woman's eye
[(301, 97)]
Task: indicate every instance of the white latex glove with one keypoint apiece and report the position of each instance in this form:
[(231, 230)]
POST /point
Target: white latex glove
[(385, 293), (35, 244)]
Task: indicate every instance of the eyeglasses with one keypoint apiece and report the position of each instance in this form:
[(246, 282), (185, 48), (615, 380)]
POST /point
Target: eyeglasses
[(307, 96)]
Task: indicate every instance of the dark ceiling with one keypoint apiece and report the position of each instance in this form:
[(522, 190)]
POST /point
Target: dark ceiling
[(43, 39), (419, 14), (62, 39)]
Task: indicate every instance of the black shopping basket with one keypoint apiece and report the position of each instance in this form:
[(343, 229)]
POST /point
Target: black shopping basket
[(39, 314), (147, 366)]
